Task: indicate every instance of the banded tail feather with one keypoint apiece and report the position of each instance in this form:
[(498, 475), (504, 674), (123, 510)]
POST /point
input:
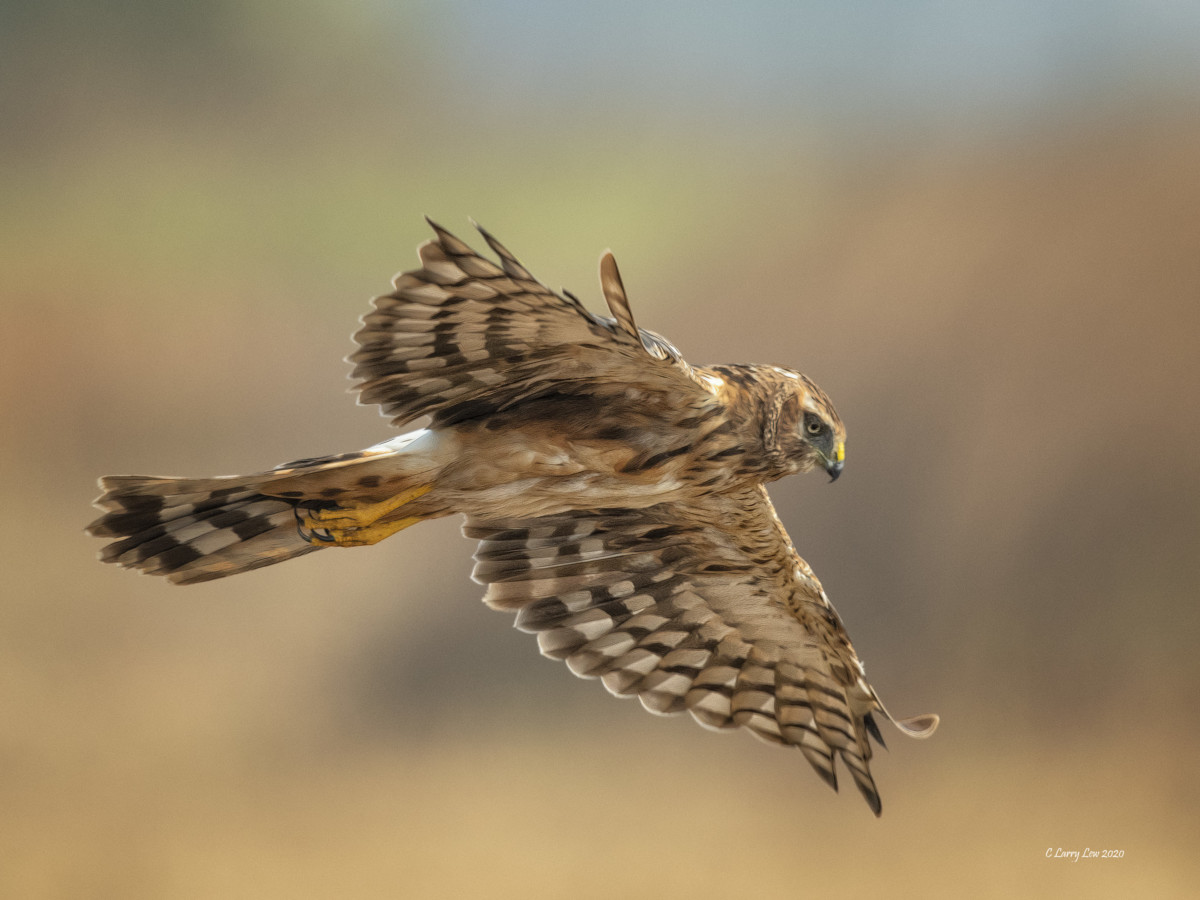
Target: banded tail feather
[(193, 530), (197, 529)]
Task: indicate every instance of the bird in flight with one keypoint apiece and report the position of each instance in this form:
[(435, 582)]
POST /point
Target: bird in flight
[(617, 493)]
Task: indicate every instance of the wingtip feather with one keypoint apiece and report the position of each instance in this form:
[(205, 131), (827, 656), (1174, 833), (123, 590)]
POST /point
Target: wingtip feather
[(614, 293), (449, 242), (512, 267), (919, 726)]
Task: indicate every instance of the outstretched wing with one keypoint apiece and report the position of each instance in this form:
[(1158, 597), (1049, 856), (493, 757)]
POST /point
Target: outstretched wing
[(462, 337), (703, 607)]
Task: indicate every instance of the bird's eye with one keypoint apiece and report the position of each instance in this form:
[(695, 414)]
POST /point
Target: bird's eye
[(813, 425)]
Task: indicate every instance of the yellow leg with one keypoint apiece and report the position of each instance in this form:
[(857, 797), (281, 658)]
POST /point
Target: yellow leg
[(358, 537), (357, 524)]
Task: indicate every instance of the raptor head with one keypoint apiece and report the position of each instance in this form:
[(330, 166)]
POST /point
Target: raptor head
[(808, 434)]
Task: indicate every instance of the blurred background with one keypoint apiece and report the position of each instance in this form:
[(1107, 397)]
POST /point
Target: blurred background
[(976, 226)]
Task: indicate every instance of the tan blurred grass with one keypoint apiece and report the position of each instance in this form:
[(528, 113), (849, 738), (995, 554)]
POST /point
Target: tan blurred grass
[(565, 809)]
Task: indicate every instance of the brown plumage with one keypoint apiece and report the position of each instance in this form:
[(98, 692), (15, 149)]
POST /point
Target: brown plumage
[(617, 494)]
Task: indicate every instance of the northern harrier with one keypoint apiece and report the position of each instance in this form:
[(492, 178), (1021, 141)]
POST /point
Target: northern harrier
[(616, 491)]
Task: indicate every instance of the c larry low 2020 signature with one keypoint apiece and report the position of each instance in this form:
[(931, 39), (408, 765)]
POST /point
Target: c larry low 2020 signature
[(1087, 853)]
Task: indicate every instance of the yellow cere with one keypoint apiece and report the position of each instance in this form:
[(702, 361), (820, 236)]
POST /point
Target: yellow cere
[(840, 453)]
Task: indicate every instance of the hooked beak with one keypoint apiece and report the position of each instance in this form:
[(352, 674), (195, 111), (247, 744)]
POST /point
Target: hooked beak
[(835, 462)]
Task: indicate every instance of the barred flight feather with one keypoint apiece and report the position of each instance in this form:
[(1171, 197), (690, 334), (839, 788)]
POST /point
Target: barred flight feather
[(462, 337), (710, 621)]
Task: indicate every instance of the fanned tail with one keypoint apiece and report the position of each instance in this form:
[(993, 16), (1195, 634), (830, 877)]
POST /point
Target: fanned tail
[(198, 529), (193, 530)]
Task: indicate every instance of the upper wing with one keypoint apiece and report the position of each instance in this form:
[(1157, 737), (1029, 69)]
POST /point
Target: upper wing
[(702, 607), (461, 337)]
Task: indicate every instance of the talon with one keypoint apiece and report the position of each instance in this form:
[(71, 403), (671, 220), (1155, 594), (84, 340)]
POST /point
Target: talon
[(307, 529)]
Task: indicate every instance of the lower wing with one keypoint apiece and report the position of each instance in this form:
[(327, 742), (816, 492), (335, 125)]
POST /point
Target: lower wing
[(701, 607)]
